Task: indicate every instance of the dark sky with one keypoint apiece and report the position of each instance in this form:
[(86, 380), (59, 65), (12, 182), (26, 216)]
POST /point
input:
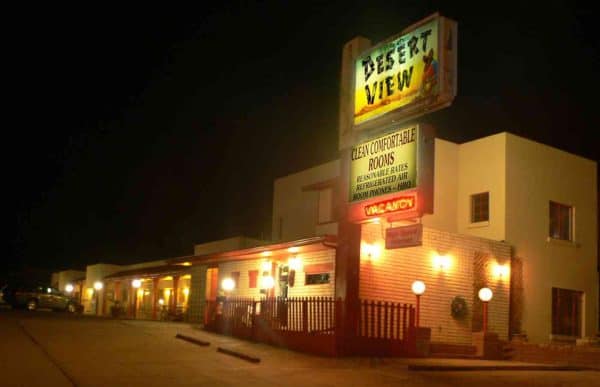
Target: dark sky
[(140, 132)]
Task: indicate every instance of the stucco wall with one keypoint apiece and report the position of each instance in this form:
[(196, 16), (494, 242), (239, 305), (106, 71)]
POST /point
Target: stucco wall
[(445, 187), (482, 168), (389, 277), (536, 175), (295, 210)]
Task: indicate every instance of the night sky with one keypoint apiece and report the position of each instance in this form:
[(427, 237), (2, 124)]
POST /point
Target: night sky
[(141, 132)]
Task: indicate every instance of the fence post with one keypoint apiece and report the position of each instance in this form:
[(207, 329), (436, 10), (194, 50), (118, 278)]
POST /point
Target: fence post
[(304, 315)]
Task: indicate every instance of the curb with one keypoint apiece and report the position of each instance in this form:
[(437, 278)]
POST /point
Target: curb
[(238, 354), (417, 367), (192, 340)]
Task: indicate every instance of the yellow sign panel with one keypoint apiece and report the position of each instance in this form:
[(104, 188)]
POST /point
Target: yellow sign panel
[(413, 70), (384, 165)]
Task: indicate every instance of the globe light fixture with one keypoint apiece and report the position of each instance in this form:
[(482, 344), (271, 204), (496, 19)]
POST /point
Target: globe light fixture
[(485, 295), (228, 284), (136, 283), (418, 288), (69, 288)]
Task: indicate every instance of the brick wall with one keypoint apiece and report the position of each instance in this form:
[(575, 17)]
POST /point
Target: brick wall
[(388, 277), (584, 356)]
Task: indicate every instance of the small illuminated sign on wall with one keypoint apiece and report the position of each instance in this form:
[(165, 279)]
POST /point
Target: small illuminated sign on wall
[(401, 203)]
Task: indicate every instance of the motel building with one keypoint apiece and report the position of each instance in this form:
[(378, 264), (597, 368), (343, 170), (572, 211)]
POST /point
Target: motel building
[(511, 215), (406, 245)]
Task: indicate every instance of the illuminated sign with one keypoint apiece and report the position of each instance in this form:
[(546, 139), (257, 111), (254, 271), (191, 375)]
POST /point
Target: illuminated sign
[(402, 203), (408, 75), (384, 165)]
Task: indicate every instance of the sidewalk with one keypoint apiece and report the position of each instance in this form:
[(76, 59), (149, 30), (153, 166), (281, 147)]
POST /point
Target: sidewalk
[(486, 365), (267, 352)]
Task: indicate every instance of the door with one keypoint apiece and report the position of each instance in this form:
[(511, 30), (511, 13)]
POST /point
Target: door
[(566, 312)]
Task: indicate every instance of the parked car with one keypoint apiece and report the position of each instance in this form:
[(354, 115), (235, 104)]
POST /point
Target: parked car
[(34, 297)]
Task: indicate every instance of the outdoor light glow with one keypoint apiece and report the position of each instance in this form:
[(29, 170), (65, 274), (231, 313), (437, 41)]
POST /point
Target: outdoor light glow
[(186, 264), (90, 291), (266, 253), (372, 251), (266, 266), (161, 301), (167, 292), (295, 263), (293, 250), (136, 283), (69, 288), (267, 282), (442, 262), (376, 220), (418, 287), (48, 290), (501, 271), (485, 294), (186, 291), (228, 284), (98, 285)]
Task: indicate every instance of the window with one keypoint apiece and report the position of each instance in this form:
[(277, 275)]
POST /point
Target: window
[(316, 279), (252, 278), (566, 312), (480, 207), (561, 221), (325, 214)]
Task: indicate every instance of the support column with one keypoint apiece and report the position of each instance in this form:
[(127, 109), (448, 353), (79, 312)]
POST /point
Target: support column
[(117, 291), (154, 298), (197, 296), (175, 290), (347, 257), (347, 265)]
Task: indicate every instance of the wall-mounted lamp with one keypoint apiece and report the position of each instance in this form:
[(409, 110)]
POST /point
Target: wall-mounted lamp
[(228, 284), (267, 282), (442, 262), (136, 283), (371, 251), (501, 271), (266, 266), (294, 264), (69, 288)]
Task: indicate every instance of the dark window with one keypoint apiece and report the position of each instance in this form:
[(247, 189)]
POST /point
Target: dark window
[(316, 279), (252, 278), (566, 312), (561, 221), (480, 207)]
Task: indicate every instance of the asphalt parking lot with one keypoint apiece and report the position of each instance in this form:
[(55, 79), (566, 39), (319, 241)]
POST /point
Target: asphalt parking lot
[(57, 349)]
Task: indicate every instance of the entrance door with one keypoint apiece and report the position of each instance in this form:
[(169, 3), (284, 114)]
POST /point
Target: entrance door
[(566, 312)]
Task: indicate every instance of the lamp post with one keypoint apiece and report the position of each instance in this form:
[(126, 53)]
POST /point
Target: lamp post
[(418, 288), (485, 295), (97, 287)]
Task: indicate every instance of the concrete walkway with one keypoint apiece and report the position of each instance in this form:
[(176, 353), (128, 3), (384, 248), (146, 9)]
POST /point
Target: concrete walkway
[(253, 351)]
